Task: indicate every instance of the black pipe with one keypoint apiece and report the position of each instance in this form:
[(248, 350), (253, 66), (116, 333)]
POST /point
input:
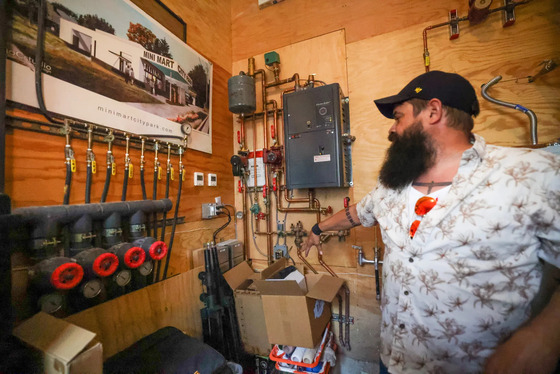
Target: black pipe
[(42, 11), (154, 196), (46, 220), (125, 184), (67, 184), (80, 231), (175, 217), (164, 219), (107, 183), (88, 184)]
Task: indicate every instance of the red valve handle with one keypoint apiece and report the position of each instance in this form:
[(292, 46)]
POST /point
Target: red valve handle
[(158, 250), (239, 186), (274, 184), (239, 137), (67, 276), (264, 191), (346, 202), (272, 133), (105, 264)]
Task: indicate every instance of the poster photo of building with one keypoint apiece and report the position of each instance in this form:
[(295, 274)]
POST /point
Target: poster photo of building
[(115, 65)]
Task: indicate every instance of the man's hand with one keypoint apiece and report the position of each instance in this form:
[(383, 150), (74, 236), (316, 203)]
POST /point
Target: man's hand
[(530, 350), (312, 240)]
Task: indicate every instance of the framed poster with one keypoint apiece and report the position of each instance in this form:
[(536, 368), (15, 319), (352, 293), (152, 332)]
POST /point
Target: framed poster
[(107, 62)]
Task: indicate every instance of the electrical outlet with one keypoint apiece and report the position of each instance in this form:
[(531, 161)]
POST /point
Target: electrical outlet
[(198, 178), (212, 179), (280, 251)]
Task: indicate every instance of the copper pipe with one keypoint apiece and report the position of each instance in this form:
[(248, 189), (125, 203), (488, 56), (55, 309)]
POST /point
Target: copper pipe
[(294, 78), (275, 111), (242, 135), (305, 261), (331, 272), (255, 153)]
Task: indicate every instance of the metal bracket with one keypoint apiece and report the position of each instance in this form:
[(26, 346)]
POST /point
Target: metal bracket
[(508, 13), (337, 318), (453, 24)]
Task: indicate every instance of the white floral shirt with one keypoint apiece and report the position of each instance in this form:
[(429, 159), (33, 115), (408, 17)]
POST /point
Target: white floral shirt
[(464, 283)]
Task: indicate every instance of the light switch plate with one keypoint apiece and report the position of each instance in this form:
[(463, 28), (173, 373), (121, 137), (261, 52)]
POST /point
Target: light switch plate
[(212, 179), (198, 178)]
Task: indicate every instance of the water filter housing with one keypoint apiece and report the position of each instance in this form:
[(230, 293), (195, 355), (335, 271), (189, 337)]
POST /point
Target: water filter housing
[(317, 142)]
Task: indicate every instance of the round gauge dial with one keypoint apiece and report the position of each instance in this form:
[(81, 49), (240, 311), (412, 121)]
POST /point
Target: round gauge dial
[(122, 278), (187, 129), (92, 288), (51, 302), (146, 268)]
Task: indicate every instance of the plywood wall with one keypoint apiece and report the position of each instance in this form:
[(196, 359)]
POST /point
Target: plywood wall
[(383, 51), (35, 176)]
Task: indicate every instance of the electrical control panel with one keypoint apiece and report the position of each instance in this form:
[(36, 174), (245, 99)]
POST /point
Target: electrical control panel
[(316, 133)]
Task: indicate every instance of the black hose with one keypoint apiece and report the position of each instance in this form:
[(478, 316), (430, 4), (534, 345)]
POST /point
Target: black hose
[(67, 184), (164, 219), (39, 60), (107, 183), (145, 197), (124, 184), (175, 217), (88, 184), (223, 226), (154, 197)]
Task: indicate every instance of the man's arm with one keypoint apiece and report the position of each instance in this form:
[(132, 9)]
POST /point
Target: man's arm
[(342, 220), (535, 347)]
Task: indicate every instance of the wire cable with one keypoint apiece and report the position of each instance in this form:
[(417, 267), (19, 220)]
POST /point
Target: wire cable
[(223, 226), (67, 184), (88, 184), (124, 185)]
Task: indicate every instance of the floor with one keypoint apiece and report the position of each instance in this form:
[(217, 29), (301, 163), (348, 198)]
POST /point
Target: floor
[(347, 365)]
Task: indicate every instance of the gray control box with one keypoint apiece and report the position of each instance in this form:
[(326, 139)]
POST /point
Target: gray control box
[(316, 129)]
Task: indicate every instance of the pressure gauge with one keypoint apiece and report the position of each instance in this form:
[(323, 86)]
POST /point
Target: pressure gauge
[(51, 302), (146, 268), (92, 288), (122, 278), (187, 129), (239, 214)]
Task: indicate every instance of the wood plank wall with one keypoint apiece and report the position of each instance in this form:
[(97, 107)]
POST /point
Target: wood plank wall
[(35, 176), (383, 52)]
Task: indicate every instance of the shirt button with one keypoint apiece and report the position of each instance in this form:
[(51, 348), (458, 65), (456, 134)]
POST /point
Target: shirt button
[(406, 293), (401, 326), (411, 260)]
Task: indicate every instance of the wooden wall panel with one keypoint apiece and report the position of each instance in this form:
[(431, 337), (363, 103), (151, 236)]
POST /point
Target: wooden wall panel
[(121, 322), (257, 30), (208, 27)]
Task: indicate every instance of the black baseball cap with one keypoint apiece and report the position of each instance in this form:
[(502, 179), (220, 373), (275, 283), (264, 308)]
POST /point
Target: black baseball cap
[(452, 89)]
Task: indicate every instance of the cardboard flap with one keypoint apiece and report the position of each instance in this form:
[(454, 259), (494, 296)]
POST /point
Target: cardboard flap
[(54, 336), (323, 287), (236, 276), (274, 268), (279, 287)]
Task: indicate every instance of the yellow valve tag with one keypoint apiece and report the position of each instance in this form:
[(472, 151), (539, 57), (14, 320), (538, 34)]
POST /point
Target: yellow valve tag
[(130, 173), (427, 60), (113, 169), (172, 174), (159, 173), (182, 175), (93, 167), (73, 165)]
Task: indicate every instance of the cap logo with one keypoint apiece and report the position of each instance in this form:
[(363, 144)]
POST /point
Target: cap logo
[(417, 89)]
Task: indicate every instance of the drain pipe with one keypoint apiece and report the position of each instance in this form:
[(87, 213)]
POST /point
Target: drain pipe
[(532, 116)]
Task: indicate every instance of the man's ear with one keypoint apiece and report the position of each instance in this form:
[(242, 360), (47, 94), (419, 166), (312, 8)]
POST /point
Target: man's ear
[(435, 111)]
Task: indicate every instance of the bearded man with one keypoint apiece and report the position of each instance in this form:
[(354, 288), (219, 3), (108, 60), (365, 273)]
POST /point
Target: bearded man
[(468, 229)]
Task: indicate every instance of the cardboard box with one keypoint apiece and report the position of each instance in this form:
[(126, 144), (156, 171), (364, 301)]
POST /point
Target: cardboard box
[(295, 316), (67, 348), (249, 307)]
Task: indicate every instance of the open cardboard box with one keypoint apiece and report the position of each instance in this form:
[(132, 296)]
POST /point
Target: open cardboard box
[(66, 348), (296, 316), (248, 305)]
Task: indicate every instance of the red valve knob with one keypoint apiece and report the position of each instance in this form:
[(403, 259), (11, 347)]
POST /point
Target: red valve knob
[(272, 132), (105, 264), (239, 186), (67, 276), (134, 257), (346, 202), (261, 215), (158, 250), (239, 137), (274, 184)]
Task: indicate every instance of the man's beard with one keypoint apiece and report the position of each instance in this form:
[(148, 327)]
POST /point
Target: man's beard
[(409, 156)]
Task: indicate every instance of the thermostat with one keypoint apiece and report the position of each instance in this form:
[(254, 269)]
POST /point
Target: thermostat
[(198, 178), (212, 179)]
